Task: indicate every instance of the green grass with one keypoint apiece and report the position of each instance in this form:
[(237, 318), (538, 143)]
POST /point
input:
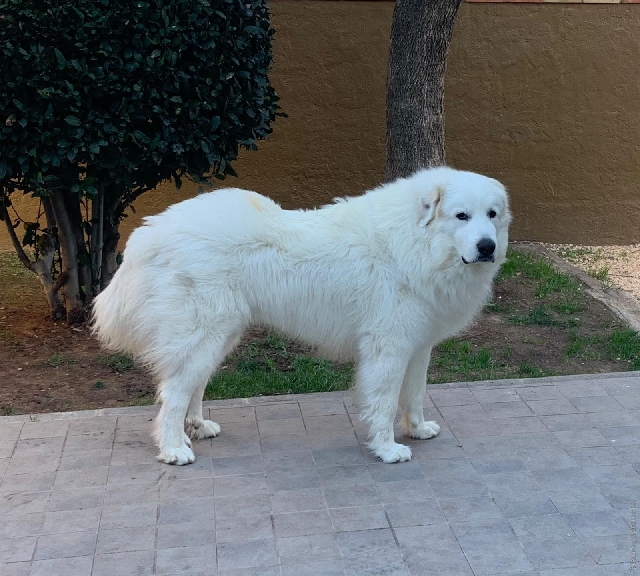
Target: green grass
[(8, 410), (60, 359), (621, 344), (546, 278), (624, 344), (269, 367), (459, 360), (118, 362), (602, 274), (99, 385)]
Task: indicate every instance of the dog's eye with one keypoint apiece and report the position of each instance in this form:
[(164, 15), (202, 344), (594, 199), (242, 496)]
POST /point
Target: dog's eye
[(492, 214), (462, 216)]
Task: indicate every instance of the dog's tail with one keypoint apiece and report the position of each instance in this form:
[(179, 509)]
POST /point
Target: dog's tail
[(114, 313)]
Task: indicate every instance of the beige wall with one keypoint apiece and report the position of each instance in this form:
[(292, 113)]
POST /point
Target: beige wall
[(543, 96)]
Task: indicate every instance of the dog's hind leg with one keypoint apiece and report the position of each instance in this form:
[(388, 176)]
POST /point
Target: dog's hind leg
[(414, 388), (378, 383), (196, 427), (182, 375)]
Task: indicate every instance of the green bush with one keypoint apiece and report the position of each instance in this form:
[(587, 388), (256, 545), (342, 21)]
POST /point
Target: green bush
[(101, 100)]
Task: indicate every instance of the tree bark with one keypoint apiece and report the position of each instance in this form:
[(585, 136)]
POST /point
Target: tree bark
[(70, 285), (43, 265), (420, 36)]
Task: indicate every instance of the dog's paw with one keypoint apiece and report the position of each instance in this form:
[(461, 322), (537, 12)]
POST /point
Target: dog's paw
[(197, 429), (179, 456), (186, 439), (423, 431), (393, 452)]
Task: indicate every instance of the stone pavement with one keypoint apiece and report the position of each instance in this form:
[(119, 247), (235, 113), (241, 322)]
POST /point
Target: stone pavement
[(535, 477)]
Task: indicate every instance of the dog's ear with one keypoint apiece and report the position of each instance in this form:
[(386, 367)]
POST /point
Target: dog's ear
[(429, 205)]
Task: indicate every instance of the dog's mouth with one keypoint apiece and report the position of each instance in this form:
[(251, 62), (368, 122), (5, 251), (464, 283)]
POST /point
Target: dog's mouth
[(479, 259)]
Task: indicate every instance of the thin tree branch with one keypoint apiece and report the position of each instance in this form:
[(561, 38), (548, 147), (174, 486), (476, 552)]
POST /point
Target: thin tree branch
[(22, 255)]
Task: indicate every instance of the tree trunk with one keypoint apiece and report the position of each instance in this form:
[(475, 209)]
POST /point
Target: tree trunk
[(420, 36), (111, 237), (70, 285), (43, 265)]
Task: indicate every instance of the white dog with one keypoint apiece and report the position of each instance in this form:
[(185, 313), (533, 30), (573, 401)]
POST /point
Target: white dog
[(380, 279)]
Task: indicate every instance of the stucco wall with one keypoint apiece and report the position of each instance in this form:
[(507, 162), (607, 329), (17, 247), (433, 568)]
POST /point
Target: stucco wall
[(542, 96)]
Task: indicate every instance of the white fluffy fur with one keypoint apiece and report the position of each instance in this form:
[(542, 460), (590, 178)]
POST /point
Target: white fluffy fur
[(379, 279)]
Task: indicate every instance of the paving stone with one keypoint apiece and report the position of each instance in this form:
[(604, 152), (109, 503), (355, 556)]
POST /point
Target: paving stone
[(300, 500), (278, 411), (79, 498), (188, 488), (581, 500), (88, 477), (184, 559), (384, 564), (15, 569), (622, 435), (469, 509), (65, 567), (71, 521), (628, 401), (454, 397), (581, 389), (18, 483), (233, 506), (490, 546), (238, 414), (343, 456), (45, 429), (135, 539), (597, 455), (519, 425), (22, 525), (355, 518), (185, 534), (443, 554), (142, 493), (308, 548), (610, 549), (129, 515), (139, 563), (581, 438), (524, 504), (414, 513), (511, 482), (497, 463), (66, 545), (243, 528), (302, 523), (231, 466), (180, 511), (494, 395), (541, 527), (507, 409), (593, 524), (367, 542), (245, 485), (567, 422), (535, 393), (322, 567), (23, 503), (17, 549), (547, 459), (548, 554), (596, 404), (253, 553)]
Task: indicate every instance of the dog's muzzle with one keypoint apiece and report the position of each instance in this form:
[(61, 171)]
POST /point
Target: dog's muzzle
[(479, 259)]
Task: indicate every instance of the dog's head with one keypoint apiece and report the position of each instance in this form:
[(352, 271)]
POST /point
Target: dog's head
[(471, 210)]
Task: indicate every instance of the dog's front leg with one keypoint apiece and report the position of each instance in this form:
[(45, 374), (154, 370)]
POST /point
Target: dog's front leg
[(379, 381), (414, 388)]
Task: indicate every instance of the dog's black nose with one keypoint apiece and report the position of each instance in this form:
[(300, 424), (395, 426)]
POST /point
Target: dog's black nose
[(486, 247)]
